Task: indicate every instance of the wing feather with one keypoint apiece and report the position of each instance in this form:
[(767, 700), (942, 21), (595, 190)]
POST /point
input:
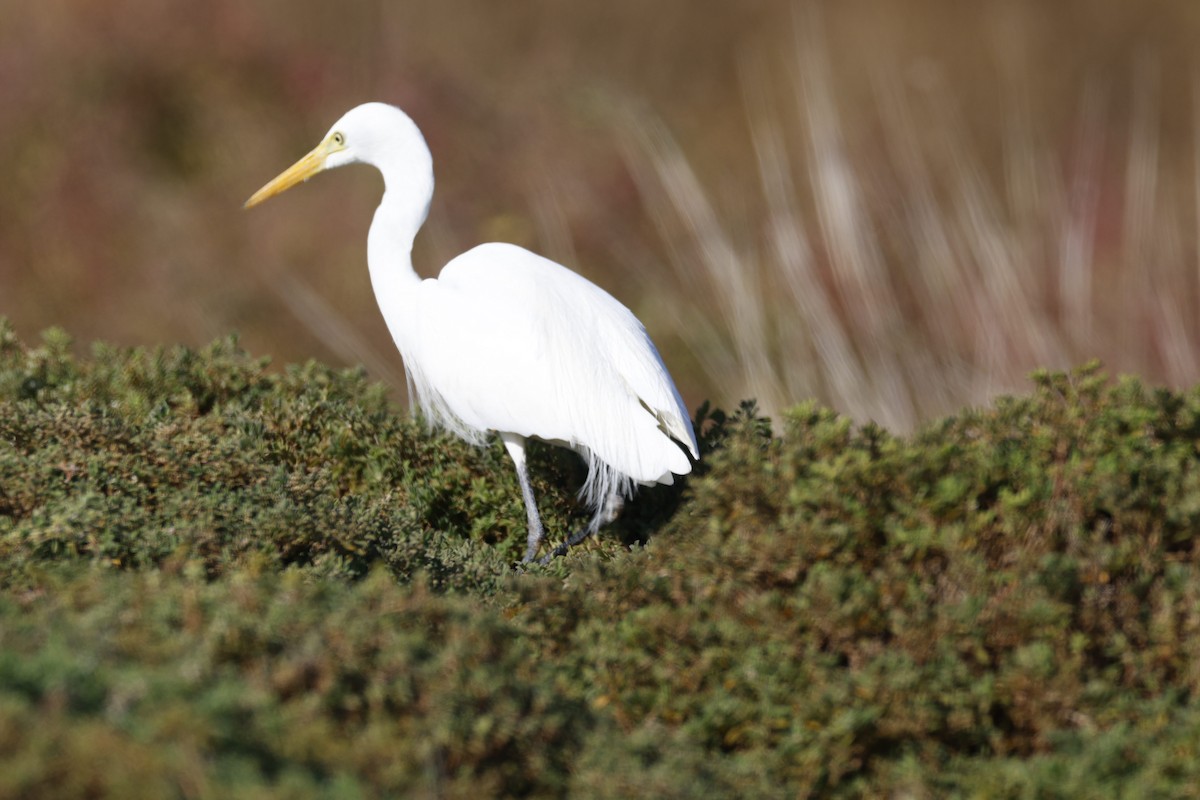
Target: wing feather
[(510, 341)]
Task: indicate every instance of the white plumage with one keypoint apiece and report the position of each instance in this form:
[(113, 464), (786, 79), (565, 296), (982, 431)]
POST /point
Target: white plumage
[(505, 340)]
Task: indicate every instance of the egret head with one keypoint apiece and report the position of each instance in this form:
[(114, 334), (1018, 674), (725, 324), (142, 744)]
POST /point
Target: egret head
[(373, 133)]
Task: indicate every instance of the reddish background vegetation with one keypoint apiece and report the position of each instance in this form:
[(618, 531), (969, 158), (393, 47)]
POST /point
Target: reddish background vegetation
[(897, 207)]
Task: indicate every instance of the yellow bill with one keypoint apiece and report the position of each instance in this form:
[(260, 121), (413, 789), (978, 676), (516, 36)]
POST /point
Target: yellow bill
[(299, 172)]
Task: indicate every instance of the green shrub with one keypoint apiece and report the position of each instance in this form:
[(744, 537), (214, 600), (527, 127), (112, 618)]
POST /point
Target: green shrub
[(131, 457), (218, 580)]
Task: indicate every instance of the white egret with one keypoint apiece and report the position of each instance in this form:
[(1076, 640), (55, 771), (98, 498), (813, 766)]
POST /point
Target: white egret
[(505, 340)]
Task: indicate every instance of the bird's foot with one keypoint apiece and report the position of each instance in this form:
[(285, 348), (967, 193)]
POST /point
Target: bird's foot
[(568, 544)]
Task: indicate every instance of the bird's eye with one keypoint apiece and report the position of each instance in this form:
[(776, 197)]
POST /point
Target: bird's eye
[(339, 139)]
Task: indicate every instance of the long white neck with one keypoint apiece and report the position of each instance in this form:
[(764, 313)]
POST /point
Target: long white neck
[(390, 241), (401, 213), (389, 259)]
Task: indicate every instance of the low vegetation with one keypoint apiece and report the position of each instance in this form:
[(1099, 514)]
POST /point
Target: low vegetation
[(221, 580)]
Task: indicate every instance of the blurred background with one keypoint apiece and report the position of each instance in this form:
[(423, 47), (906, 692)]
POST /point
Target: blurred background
[(896, 206)]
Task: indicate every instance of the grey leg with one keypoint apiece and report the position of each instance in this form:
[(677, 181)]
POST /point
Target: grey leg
[(605, 514), (516, 450)]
